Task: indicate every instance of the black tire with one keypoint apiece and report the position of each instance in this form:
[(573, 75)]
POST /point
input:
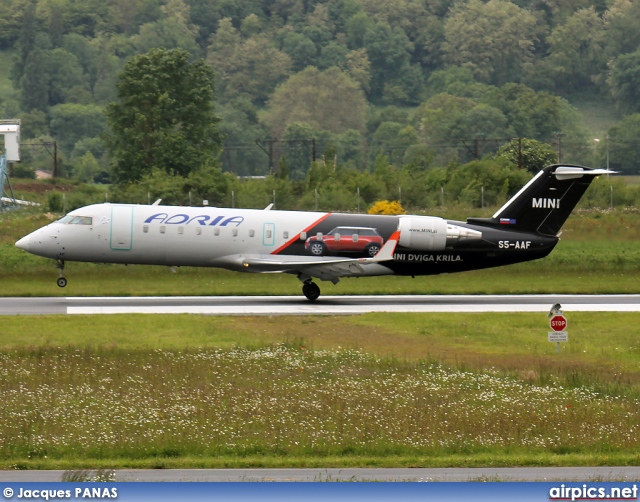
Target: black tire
[(372, 249), (317, 248), (62, 282), (311, 291)]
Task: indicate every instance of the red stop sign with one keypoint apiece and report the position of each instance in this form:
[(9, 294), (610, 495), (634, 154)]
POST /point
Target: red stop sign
[(558, 323)]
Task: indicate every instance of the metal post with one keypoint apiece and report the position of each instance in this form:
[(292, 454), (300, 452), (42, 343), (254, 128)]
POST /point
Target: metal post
[(400, 195), (611, 203), (316, 194), (233, 198), (358, 200), (55, 160), (274, 197), (64, 204), (482, 198), (189, 198), (442, 195)]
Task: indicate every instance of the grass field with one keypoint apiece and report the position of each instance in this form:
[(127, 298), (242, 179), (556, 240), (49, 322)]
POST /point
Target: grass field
[(384, 390), (370, 390)]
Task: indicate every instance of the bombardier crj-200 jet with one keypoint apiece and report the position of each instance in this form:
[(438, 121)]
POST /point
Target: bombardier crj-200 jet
[(313, 245)]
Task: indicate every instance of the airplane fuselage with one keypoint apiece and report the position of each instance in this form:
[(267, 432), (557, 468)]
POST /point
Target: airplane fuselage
[(223, 237)]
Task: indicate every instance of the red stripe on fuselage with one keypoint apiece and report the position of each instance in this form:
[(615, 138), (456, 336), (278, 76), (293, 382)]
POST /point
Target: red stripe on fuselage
[(297, 237)]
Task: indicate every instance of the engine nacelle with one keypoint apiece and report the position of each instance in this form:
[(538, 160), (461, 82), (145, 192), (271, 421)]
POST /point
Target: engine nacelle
[(430, 233)]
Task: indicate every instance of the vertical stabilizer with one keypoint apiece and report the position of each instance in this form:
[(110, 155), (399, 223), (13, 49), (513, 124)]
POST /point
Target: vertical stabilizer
[(544, 204)]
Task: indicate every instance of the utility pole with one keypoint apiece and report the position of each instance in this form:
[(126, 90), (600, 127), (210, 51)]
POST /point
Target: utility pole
[(519, 153), (558, 136)]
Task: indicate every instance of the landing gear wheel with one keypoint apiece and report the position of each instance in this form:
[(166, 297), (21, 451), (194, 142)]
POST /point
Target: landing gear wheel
[(311, 291), (62, 282)]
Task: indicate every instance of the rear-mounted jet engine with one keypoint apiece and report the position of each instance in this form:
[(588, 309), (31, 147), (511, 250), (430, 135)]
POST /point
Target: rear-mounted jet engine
[(430, 233)]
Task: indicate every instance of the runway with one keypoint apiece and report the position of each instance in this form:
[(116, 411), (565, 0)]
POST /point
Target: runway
[(611, 474), (326, 305)]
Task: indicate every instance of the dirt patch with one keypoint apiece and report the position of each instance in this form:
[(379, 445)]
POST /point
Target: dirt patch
[(38, 187)]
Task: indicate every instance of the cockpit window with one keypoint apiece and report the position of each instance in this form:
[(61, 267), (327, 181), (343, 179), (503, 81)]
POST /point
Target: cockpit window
[(81, 220), (71, 219)]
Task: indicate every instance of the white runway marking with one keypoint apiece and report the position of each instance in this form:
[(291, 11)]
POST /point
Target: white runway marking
[(340, 305)]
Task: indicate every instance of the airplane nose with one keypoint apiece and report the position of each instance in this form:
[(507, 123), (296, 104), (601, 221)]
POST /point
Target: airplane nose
[(43, 242), (24, 243)]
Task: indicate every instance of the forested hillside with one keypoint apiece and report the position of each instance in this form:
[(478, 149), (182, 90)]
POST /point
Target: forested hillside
[(361, 84)]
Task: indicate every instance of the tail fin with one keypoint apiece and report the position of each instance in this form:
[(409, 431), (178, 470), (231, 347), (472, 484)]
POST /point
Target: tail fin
[(544, 204)]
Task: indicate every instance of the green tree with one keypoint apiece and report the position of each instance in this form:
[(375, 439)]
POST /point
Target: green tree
[(164, 116), (527, 154), (624, 147), (329, 100), (86, 168), (621, 23), (71, 122), (495, 39), (172, 31), (248, 68), (577, 50), (531, 114), (240, 129), (625, 82), (301, 50)]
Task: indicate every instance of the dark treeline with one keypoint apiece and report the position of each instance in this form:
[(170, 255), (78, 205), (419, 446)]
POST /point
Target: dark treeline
[(420, 83)]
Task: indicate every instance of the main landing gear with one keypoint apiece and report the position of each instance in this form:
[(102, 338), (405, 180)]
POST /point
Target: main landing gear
[(311, 290), (62, 282)]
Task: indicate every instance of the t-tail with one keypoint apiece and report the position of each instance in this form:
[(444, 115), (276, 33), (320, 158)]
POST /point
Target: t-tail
[(544, 204)]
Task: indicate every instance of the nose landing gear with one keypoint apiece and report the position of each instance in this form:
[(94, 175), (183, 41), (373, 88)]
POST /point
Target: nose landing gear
[(62, 282)]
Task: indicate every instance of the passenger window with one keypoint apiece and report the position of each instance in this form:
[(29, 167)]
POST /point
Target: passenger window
[(252, 233), (216, 231), (145, 229), (180, 229), (162, 229), (303, 236), (198, 230), (285, 235), (234, 232), (268, 234)]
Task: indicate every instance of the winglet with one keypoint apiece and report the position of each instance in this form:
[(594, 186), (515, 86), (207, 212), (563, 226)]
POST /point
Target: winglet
[(386, 251)]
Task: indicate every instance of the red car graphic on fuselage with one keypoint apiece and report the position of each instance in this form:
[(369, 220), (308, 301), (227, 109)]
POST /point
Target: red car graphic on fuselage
[(363, 240)]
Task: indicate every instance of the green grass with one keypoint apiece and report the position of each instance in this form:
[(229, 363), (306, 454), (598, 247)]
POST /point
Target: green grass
[(370, 390)]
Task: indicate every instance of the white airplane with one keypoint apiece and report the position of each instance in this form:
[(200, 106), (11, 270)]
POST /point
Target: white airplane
[(325, 246)]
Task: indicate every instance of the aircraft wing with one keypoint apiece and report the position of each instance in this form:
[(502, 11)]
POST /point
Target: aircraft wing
[(326, 268)]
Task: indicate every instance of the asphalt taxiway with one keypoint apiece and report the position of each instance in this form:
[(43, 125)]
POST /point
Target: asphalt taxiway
[(612, 474)]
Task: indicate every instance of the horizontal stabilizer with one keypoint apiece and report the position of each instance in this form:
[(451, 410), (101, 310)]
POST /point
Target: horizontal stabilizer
[(575, 172)]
